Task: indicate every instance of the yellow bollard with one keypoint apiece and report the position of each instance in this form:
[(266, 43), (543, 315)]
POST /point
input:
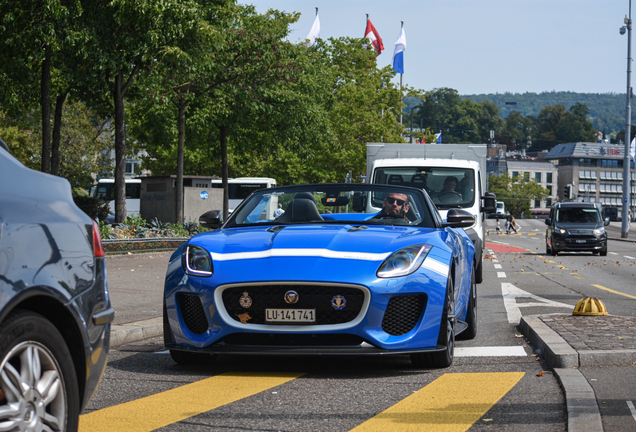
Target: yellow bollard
[(590, 306)]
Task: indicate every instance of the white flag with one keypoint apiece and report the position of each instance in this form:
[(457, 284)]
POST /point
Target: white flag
[(632, 149), (314, 33)]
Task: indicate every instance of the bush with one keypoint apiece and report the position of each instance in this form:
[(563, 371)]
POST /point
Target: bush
[(94, 207)]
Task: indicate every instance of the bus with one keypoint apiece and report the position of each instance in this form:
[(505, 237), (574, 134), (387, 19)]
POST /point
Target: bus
[(240, 188), (105, 190)]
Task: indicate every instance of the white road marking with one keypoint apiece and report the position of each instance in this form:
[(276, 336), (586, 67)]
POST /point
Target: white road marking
[(497, 266), (630, 405), (628, 257), (613, 253), (491, 351), (501, 274), (510, 294)]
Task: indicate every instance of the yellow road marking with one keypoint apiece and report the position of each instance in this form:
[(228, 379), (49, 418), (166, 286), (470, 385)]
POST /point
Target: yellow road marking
[(550, 261), (453, 402), (576, 275), (162, 409), (612, 291), (562, 267), (532, 233)]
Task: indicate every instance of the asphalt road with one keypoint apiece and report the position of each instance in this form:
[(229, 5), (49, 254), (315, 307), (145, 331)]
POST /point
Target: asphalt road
[(143, 389)]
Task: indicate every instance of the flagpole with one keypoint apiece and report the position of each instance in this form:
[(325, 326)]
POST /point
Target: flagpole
[(316, 11), (401, 95)]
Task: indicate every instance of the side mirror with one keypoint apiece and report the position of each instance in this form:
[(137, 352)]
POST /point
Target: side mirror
[(211, 219), (548, 221), (458, 218), (490, 203), (606, 221)]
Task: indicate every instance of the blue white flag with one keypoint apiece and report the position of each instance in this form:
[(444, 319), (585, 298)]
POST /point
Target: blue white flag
[(398, 54), (632, 149), (439, 138), (314, 33)]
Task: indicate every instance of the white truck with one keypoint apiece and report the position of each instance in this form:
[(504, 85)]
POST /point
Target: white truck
[(454, 175)]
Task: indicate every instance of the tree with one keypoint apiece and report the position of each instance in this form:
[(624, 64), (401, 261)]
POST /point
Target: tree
[(126, 36), (516, 193)]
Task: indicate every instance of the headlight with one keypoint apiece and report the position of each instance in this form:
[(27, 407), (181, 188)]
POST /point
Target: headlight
[(196, 261), (562, 231), (599, 231), (404, 262)]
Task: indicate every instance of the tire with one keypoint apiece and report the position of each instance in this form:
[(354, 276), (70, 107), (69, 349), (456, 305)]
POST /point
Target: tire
[(479, 275), (603, 252), (33, 353), (548, 249), (441, 359), (187, 358), (471, 314)]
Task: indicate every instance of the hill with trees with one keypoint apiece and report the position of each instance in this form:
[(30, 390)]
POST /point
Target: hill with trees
[(607, 110)]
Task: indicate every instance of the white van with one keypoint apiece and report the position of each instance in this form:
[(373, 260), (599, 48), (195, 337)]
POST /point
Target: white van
[(501, 210), (105, 189)]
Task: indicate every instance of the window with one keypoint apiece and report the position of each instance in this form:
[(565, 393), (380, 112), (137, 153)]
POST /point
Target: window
[(526, 176), (587, 162), (548, 177), (585, 174), (515, 174), (549, 188), (584, 187), (537, 177), (537, 203), (548, 202)]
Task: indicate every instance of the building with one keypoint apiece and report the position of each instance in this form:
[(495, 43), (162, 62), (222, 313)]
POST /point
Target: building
[(544, 173), (591, 172)]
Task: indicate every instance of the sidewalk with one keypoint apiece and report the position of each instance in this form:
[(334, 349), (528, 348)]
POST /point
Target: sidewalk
[(567, 342)]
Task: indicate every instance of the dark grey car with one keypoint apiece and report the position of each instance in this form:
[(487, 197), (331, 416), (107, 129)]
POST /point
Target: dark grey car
[(55, 311), (576, 227)]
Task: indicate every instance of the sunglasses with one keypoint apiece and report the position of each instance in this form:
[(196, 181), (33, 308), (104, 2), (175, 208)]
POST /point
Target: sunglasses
[(392, 200)]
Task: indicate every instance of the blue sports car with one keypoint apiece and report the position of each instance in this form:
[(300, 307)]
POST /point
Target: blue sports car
[(345, 269)]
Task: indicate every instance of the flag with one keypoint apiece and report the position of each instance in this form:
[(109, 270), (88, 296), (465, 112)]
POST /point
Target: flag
[(372, 34), (314, 33), (439, 138), (398, 54), (632, 149)]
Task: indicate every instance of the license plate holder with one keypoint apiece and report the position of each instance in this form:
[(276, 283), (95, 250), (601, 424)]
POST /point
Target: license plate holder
[(290, 315)]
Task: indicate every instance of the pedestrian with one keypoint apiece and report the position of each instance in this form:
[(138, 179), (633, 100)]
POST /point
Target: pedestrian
[(279, 211), (498, 227), (629, 214)]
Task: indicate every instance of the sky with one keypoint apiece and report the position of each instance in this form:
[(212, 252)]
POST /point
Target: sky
[(485, 46)]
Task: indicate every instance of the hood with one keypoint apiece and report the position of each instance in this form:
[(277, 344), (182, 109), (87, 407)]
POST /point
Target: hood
[(579, 226), (337, 238)]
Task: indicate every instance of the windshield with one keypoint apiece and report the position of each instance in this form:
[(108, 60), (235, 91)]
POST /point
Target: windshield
[(357, 204), (448, 187), (578, 215)]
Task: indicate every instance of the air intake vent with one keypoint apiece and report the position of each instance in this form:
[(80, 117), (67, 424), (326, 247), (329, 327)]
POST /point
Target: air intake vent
[(403, 313), (193, 313)]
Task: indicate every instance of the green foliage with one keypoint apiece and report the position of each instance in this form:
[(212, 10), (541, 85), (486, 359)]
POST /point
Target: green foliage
[(516, 193), (94, 207)]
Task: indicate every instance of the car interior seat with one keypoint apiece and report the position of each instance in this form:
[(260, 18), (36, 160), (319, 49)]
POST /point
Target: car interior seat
[(395, 179), (300, 210), (419, 181)]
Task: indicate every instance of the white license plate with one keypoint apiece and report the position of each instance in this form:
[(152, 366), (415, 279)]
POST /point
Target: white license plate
[(580, 241), (290, 315)]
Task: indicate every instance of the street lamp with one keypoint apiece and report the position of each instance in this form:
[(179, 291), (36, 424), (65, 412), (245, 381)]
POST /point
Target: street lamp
[(628, 125)]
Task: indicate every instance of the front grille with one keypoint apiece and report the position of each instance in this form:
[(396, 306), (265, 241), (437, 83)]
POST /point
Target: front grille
[(319, 297), (292, 340), (403, 313), (193, 313)]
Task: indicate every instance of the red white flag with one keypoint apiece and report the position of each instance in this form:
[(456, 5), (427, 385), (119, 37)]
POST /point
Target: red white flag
[(372, 34)]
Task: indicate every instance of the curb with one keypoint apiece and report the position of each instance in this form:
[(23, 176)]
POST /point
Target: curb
[(583, 412), (132, 332)]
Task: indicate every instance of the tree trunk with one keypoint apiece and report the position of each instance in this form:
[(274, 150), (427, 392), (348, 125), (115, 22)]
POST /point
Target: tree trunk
[(180, 147), (45, 94), (120, 149), (57, 129), (224, 170)]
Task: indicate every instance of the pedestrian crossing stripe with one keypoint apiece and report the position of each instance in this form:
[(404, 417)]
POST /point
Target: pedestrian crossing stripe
[(171, 406), (453, 402)]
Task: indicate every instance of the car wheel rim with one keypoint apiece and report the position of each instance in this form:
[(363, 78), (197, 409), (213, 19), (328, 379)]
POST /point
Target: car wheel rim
[(33, 391)]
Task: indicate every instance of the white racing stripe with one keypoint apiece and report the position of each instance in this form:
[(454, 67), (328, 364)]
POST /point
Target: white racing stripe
[(436, 266), (321, 253), (491, 351)]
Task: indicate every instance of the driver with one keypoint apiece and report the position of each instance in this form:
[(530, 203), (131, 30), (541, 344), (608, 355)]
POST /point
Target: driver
[(449, 186), (396, 203)]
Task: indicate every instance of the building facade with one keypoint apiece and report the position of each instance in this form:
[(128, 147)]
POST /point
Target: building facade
[(544, 173), (592, 172)]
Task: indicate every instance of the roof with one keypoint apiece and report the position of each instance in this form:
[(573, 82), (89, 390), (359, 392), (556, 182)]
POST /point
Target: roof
[(530, 165), (587, 150)]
